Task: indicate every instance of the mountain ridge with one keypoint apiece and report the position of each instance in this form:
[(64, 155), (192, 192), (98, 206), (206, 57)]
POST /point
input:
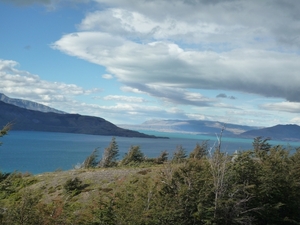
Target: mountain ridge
[(32, 120), (286, 132)]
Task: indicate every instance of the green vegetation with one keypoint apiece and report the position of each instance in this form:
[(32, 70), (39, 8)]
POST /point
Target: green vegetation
[(73, 185), (259, 186), (110, 155), (179, 155), (5, 130), (91, 160), (133, 157)]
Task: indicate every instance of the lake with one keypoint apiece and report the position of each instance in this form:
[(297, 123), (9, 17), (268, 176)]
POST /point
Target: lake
[(38, 152)]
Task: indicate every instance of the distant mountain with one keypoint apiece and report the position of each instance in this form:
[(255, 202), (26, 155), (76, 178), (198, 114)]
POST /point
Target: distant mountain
[(289, 132), (31, 120), (191, 126), (27, 104), (279, 132)]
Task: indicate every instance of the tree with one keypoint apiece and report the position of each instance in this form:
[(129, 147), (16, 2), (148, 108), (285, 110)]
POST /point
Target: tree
[(183, 194), (278, 187), (110, 154), (200, 150), (163, 157), (133, 156), (5, 130), (179, 155), (91, 160), (219, 166), (261, 146), (238, 205)]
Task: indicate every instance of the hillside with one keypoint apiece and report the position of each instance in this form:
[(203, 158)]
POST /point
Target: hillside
[(173, 192), (289, 132), (24, 119)]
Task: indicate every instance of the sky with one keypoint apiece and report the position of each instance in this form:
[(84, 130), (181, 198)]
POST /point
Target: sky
[(129, 61)]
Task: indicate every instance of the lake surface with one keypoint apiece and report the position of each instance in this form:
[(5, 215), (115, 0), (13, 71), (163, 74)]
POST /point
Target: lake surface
[(38, 152)]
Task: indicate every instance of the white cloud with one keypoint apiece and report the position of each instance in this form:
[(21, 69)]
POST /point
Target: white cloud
[(228, 45), (233, 21), (131, 89), (22, 84), (292, 107), (107, 76), (296, 120), (120, 98), (132, 24), (268, 73), (131, 113)]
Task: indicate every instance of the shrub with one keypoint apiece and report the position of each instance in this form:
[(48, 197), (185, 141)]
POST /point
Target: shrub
[(73, 185)]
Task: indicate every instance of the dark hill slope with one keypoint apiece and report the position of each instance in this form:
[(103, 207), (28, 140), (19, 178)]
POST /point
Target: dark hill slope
[(30, 120), (290, 132)]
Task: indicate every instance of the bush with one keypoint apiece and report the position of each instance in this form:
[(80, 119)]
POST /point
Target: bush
[(73, 185)]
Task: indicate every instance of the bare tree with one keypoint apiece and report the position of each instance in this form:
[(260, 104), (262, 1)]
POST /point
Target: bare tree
[(218, 164)]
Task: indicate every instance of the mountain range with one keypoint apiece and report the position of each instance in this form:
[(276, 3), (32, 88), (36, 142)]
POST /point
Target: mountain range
[(191, 126), (32, 116), (289, 132)]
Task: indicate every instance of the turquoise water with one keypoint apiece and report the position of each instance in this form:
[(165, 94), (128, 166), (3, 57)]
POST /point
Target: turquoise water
[(38, 152)]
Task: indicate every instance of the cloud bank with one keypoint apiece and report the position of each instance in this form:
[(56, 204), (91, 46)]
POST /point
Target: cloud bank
[(242, 46)]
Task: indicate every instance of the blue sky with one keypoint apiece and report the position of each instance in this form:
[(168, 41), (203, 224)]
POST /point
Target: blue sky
[(130, 61)]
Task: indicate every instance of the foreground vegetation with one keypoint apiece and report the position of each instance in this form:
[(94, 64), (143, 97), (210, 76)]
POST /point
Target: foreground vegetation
[(258, 186)]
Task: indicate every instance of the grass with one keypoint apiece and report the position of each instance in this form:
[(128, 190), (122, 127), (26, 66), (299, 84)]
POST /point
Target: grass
[(51, 185)]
